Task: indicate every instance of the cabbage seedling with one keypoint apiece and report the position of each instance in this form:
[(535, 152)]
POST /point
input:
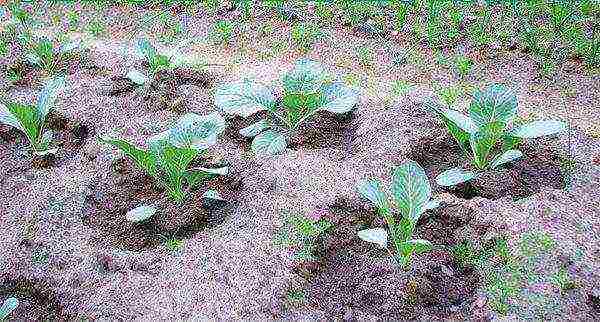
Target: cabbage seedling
[(169, 155), (46, 55), (487, 135), (30, 119), (411, 197), (9, 305), (156, 62), (306, 91)]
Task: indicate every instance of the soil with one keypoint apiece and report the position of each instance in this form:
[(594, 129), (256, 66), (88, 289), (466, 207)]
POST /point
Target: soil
[(323, 130), (37, 301), (112, 197), (355, 282), (539, 168)]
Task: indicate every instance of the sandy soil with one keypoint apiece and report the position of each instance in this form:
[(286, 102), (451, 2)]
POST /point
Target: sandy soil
[(67, 256)]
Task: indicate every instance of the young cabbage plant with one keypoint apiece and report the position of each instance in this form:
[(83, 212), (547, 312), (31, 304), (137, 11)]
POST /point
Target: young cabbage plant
[(487, 135), (155, 60), (9, 305), (30, 119), (306, 91), (169, 155), (411, 197), (49, 56)]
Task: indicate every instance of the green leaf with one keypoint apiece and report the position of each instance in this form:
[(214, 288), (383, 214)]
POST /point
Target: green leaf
[(145, 49), (484, 141), (458, 125), (254, 129), (539, 128), (143, 159), (339, 98), (48, 96), (454, 176), (197, 132), (417, 246), (244, 98), (495, 104), (9, 305), (306, 77), (140, 213), (197, 175), (137, 77), (44, 143), (371, 190), (28, 119), (376, 235), (269, 142), (172, 161), (506, 157), (7, 118), (411, 189)]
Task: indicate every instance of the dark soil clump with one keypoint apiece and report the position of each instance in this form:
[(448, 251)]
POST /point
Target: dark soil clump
[(355, 280), (539, 169), (128, 187), (323, 130), (37, 302)]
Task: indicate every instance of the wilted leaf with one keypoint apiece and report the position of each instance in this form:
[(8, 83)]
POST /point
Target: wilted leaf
[(140, 213), (212, 194), (460, 120), (339, 98), (7, 118), (244, 98), (9, 305), (254, 129), (454, 176), (376, 235), (69, 46), (145, 49), (411, 189), (506, 157), (137, 77), (432, 204), (539, 128), (197, 175), (269, 142)]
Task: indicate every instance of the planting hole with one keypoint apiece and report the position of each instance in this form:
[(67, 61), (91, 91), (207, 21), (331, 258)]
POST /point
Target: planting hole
[(539, 169), (127, 187)]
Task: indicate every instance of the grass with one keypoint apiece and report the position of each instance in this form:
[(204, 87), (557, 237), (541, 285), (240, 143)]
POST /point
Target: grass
[(509, 272)]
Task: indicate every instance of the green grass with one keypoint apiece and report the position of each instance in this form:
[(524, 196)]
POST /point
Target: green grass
[(508, 271)]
